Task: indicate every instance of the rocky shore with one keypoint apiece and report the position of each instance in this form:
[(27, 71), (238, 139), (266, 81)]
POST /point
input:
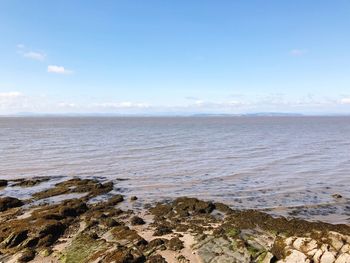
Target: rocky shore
[(87, 220)]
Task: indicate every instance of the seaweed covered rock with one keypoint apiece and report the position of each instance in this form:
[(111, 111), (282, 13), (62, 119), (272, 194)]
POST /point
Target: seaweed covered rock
[(124, 255), (9, 202), (15, 238), (126, 236), (175, 244), (135, 220), (84, 248), (156, 259), (162, 230), (186, 205), (76, 185), (26, 255), (30, 182), (3, 183), (183, 207)]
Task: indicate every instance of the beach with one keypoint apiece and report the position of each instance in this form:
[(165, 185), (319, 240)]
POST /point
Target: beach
[(87, 220)]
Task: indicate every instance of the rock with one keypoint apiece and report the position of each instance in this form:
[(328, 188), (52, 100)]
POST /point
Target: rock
[(76, 185), (175, 244), (162, 230), (156, 259), (265, 257), (3, 183), (345, 248), (83, 248), (222, 250), (115, 200), (133, 198), (26, 255), (126, 236), (336, 240), (222, 208), (155, 243), (343, 258), (135, 220), (14, 239), (317, 256), (31, 182), (9, 202), (50, 232), (327, 257), (310, 246), (185, 206), (73, 209), (337, 196), (182, 259), (110, 222), (296, 256), (298, 243), (124, 255)]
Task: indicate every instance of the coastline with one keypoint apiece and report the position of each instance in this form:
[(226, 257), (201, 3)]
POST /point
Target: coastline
[(85, 220)]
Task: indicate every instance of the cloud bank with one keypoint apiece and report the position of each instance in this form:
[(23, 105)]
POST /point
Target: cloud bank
[(13, 102)]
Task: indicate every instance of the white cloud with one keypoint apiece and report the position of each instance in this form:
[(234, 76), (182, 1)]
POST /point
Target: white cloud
[(35, 55), (27, 53), (67, 105), (10, 95), (298, 52), (120, 105), (218, 105), (345, 101), (11, 100), (58, 70)]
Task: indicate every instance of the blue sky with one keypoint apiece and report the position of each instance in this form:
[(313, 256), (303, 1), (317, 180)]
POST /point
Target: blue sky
[(167, 56)]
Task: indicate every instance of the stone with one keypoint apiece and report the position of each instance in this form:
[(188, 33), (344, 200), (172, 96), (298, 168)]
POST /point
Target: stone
[(345, 248), (133, 198), (31, 182), (337, 196), (310, 246), (110, 222), (27, 255), (317, 256), (296, 257), (298, 243), (336, 240), (327, 257), (73, 209), (265, 257), (156, 259), (3, 183), (135, 220), (343, 258), (9, 202), (162, 230), (116, 199), (175, 244), (15, 239)]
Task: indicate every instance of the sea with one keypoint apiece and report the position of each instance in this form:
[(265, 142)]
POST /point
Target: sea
[(289, 166)]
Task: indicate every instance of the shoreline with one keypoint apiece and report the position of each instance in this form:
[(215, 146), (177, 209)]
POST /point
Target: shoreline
[(85, 220)]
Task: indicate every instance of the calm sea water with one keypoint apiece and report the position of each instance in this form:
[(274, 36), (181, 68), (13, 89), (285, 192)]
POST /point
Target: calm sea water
[(249, 162)]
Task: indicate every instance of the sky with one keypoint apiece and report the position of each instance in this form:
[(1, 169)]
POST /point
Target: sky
[(174, 56)]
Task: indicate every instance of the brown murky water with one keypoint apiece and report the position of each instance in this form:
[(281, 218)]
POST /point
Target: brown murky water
[(276, 163)]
